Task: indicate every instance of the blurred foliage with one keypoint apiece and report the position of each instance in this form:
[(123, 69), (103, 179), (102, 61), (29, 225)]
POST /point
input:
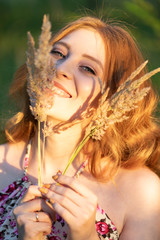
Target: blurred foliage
[(142, 18)]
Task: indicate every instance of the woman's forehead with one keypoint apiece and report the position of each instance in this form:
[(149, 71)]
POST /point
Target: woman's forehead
[(83, 35)]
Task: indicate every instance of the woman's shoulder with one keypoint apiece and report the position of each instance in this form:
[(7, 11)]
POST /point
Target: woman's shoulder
[(11, 155), (10, 150), (139, 184), (140, 191), (138, 179), (6, 150)]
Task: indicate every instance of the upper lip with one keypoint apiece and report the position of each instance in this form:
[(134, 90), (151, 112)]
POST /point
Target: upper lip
[(58, 85)]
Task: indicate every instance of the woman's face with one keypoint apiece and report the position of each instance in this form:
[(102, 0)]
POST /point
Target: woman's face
[(79, 59)]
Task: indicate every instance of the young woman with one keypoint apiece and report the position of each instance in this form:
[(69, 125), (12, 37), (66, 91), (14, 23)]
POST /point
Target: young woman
[(117, 195)]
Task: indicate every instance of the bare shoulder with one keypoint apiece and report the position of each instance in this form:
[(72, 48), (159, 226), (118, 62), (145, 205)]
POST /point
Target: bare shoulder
[(140, 190), (5, 149), (10, 150), (139, 184), (10, 162)]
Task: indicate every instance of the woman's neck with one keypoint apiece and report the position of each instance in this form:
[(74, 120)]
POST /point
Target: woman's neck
[(58, 150)]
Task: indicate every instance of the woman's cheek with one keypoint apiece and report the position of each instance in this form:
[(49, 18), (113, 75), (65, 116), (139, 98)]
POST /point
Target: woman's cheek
[(89, 89)]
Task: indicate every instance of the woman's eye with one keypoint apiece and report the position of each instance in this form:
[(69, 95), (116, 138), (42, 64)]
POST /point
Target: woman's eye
[(88, 69), (57, 53)]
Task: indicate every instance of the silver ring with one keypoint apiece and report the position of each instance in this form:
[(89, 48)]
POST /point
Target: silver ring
[(37, 218)]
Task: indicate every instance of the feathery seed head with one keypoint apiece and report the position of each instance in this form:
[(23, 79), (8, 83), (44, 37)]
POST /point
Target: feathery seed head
[(122, 101), (40, 84)]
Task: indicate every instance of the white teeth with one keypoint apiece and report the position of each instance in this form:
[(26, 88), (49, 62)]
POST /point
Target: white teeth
[(60, 92)]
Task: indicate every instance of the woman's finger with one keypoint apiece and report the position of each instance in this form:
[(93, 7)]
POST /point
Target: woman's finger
[(62, 200), (75, 185), (31, 194), (63, 191), (78, 220), (35, 205), (39, 217), (31, 206), (71, 201), (64, 213), (32, 229), (34, 217)]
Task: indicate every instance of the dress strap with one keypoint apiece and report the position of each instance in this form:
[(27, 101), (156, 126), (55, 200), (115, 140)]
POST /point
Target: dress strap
[(26, 157), (81, 168)]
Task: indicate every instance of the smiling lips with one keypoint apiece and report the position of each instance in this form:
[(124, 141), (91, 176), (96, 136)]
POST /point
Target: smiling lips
[(61, 91)]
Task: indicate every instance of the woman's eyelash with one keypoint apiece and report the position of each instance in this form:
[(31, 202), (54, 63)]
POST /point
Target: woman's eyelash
[(59, 54), (56, 52), (88, 69)]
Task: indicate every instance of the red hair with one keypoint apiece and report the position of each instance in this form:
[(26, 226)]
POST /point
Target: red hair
[(133, 143)]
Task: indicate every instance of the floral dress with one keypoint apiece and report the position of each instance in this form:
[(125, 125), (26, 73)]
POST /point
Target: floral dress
[(10, 197)]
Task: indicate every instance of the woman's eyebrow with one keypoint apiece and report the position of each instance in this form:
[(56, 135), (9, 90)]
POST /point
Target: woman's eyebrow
[(94, 59), (62, 43)]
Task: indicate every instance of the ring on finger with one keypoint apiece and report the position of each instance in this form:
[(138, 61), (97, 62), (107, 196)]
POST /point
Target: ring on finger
[(37, 218)]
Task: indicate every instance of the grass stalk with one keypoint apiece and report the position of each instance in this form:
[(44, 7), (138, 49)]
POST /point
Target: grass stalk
[(77, 150)]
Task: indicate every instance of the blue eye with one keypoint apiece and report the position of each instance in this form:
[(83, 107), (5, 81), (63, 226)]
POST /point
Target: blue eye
[(88, 69), (57, 53)]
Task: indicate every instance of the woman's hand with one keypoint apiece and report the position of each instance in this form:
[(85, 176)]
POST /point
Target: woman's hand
[(76, 204), (33, 215)]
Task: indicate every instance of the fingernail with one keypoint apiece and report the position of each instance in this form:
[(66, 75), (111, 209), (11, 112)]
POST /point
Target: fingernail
[(43, 190), (52, 201), (59, 172), (46, 185), (55, 177)]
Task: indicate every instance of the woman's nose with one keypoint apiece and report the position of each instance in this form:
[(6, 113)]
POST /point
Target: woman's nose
[(64, 70)]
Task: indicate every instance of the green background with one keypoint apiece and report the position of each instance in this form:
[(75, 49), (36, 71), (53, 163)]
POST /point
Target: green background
[(142, 17)]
